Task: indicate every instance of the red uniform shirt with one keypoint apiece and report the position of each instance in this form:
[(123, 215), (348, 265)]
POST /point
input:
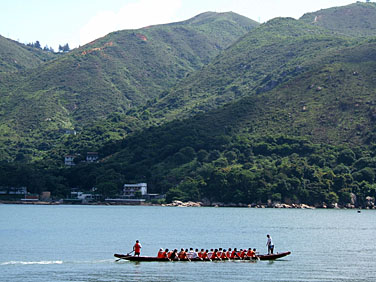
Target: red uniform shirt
[(137, 248)]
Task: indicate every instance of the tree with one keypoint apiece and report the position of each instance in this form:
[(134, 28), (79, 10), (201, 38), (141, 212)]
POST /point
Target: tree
[(107, 189), (366, 174), (202, 155), (64, 48), (175, 194), (346, 156), (332, 198), (48, 49), (37, 45)]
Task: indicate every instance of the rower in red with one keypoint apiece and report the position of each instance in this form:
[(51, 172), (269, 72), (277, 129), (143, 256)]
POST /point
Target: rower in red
[(137, 248)]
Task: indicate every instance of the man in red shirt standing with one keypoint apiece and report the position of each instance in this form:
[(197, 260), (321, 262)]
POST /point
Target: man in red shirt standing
[(137, 248)]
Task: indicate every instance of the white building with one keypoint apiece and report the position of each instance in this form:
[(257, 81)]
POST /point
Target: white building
[(69, 160), (70, 131), (130, 190), (92, 157)]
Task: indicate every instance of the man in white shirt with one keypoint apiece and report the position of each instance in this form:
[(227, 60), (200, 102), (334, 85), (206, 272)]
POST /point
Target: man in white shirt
[(192, 254), (270, 245)]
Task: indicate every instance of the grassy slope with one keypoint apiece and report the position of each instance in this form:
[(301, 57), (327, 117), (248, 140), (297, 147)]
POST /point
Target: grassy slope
[(342, 112), (15, 56), (332, 103), (357, 19), (267, 56), (112, 74)]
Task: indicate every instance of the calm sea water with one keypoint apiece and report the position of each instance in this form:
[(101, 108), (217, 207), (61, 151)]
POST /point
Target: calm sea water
[(77, 243)]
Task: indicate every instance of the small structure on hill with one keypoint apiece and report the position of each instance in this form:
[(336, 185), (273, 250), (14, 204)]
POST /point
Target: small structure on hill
[(69, 131), (92, 157), (69, 160)]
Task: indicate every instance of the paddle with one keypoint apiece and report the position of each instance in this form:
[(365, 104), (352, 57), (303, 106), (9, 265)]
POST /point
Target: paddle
[(125, 255)]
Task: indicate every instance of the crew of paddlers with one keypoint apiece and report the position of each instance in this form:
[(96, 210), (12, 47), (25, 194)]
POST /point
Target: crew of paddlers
[(212, 254)]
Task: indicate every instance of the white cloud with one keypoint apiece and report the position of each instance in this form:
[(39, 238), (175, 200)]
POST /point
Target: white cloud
[(133, 15)]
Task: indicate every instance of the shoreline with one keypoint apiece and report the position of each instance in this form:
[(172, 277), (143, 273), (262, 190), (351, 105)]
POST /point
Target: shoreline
[(193, 204)]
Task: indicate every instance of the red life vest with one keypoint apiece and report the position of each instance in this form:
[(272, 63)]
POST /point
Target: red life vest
[(182, 255), (251, 253), (214, 255)]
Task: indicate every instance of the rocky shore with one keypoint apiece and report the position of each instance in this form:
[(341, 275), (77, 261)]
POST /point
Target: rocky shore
[(219, 204), (370, 204)]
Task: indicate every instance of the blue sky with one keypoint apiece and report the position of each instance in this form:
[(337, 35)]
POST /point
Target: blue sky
[(78, 22)]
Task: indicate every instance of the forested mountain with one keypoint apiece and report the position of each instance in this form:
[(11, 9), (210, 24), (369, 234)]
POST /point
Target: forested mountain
[(286, 113), (273, 53), (310, 139), (110, 75), (15, 56)]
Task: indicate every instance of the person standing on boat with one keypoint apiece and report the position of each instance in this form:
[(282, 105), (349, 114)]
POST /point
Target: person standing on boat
[(137, 248), (270, 244)]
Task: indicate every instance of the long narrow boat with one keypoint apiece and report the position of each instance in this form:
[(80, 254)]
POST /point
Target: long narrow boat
[(260, 257)]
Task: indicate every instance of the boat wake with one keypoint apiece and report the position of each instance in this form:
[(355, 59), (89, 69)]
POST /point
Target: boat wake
[(31, 262), (47, 262)]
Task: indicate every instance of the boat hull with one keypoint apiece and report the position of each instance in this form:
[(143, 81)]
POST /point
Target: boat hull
[(273, 256), (141, 258)]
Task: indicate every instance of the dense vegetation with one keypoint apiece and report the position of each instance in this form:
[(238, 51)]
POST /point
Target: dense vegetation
[(110, 75), (197, 165), (287, 113)]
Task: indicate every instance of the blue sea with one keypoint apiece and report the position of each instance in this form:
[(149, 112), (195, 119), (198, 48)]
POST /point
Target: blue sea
[(77, 243)]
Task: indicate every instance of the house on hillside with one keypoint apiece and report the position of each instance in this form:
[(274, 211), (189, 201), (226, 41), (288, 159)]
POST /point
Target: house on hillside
[(69, 160), (69, 131), (92, 157)]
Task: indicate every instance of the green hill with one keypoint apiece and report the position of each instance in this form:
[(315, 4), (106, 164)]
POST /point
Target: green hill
[(310, 140), (112, 74), (285, 114), (358, 19), (267, 56), (15, 56)]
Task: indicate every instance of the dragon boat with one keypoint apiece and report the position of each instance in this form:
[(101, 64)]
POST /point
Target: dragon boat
[(146, 258)]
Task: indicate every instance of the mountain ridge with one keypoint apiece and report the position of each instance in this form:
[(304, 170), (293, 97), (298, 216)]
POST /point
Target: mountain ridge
[(356, 19), (15, 56), (114, 73)]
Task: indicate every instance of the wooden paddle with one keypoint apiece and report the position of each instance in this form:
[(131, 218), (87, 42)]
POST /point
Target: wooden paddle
[(125, 255)]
